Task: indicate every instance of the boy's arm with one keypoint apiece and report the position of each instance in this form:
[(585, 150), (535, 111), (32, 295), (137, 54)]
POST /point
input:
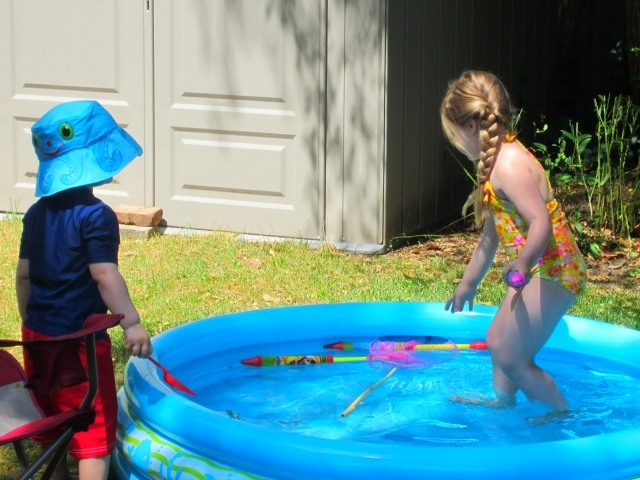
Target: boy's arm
[(115, 295), (23, 287)]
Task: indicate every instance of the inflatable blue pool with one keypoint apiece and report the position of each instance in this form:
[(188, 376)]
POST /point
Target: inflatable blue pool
[(216, 435)]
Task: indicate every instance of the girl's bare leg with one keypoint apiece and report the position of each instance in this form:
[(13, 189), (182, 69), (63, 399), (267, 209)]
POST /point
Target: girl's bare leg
[(523, 324)]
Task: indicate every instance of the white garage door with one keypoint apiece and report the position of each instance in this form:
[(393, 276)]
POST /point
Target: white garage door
[(53, 52), (238, 115)]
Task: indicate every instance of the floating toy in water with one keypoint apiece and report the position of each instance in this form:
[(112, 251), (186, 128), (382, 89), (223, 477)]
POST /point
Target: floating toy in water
[(350, 345), (287, 360), (278, 360), (381, 354), (406, 343), (378, 353), (402, 354)]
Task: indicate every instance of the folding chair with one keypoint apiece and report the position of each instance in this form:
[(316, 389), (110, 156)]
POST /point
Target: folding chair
[(57, 366)]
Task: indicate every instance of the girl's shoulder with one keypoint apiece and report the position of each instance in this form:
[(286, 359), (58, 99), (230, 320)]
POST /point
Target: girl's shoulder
[(515, 150), (514, 164), (514, 157), (517, 166)]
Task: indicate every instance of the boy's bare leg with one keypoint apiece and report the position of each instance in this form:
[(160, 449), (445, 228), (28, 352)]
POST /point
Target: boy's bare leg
[(94, 468), (62, 470)]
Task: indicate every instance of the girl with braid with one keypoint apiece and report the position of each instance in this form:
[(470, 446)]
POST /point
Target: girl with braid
[(515, 206)]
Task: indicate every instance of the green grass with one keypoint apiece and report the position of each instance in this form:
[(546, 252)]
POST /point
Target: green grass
[(180, 278)]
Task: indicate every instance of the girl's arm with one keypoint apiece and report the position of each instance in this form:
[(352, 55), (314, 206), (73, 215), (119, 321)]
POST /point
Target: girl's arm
[(520, 187), (480, 262)]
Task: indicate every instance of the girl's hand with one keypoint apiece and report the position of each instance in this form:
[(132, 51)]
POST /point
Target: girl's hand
[(463, 294), (137, 341)]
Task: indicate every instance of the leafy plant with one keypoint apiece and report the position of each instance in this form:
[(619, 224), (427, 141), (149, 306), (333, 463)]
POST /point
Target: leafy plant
[(565, 161), (617, 188), (602, 166)]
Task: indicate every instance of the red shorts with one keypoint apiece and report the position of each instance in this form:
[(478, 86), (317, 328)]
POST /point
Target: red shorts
[(99, 439)]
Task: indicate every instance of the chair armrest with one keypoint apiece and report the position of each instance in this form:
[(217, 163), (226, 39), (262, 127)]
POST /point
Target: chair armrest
[(93, 324), (57, 363)]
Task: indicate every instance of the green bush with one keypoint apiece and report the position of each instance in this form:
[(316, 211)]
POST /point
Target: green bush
[(603, 168)]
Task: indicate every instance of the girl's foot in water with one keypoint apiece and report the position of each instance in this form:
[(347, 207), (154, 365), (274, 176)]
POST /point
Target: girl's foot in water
[(500, 401), (550, 417)]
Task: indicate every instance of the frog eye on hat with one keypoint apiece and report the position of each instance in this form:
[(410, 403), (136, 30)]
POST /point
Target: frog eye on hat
[(66, 131), (35, 140)]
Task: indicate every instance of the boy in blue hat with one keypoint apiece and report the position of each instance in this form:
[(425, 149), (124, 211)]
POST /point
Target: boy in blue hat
[(68, 262)]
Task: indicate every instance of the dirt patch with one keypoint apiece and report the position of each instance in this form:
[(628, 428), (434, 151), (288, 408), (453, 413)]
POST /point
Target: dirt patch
[(619, 266)]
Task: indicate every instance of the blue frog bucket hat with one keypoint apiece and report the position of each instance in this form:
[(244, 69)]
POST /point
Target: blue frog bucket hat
[(79, 144)]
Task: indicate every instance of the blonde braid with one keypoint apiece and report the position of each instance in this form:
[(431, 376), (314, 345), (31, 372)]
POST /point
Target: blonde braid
[(482, 97), (489, 148)]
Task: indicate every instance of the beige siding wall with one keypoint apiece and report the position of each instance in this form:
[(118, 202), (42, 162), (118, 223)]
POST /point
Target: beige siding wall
[(314, 119)]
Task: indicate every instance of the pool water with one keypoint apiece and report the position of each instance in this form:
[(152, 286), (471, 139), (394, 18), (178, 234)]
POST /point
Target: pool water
[(413, 404)]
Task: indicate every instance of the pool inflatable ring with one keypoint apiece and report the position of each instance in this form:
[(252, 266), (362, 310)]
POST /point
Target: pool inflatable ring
[(163, 434)]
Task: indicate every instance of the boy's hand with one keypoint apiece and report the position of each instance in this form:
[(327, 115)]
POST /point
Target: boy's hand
[(137, 341)]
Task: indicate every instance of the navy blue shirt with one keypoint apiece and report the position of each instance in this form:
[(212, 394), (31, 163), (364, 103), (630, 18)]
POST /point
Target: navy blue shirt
[(63, 234)]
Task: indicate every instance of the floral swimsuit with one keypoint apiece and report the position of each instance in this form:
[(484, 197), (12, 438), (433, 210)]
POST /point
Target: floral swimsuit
[(561, 262)]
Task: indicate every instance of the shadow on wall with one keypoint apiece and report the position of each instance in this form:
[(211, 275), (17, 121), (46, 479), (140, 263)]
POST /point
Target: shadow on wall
[(342, 128)]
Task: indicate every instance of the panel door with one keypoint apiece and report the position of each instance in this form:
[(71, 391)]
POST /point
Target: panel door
[(53, 52), (239, 118)]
